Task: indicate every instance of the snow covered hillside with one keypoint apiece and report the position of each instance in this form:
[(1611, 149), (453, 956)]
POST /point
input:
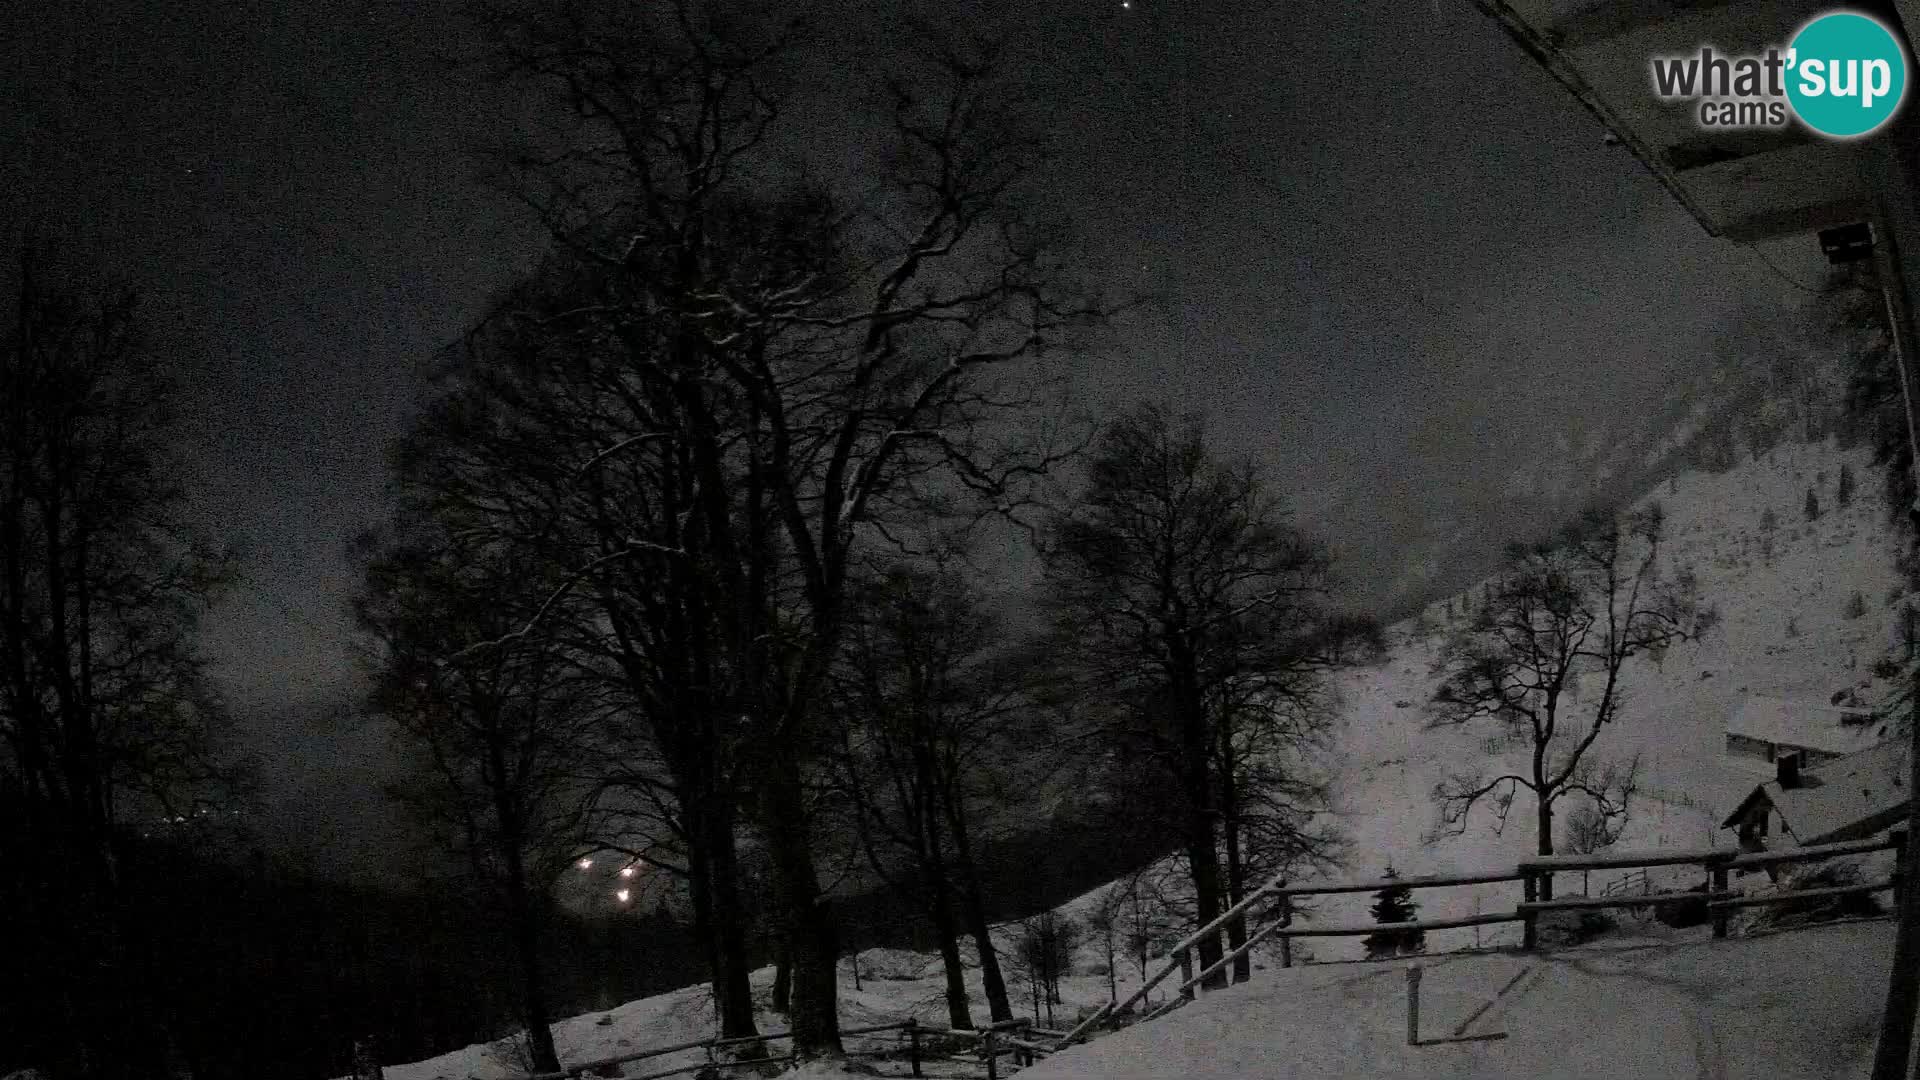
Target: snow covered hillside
[(1784, 595), (1795, 1006), (1790, 625)]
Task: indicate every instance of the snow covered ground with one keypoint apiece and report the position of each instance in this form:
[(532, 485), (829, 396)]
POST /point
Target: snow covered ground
[(1804, 574), (1787, 1006), (1790, 1005)]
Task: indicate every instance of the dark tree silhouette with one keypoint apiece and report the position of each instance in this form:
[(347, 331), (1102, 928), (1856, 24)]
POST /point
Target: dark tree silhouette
[(505, 734), (104, 707), (928, 689), (1186, 603), (794, 373)]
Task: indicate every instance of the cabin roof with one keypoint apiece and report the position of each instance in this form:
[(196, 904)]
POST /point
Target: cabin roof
[(1856, 790), (1830, 728)]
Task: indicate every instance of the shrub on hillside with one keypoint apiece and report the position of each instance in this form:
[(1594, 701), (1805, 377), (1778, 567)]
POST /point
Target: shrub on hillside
[(1681, 914), (1824, 908), (1573, 927)]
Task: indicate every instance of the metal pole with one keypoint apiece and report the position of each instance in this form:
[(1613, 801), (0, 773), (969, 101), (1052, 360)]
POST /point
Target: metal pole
[(1413, 1004)]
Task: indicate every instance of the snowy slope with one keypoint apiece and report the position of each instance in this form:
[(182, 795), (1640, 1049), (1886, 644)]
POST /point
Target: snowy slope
[(1675, 709), (1796, 1006), (1804, 573)]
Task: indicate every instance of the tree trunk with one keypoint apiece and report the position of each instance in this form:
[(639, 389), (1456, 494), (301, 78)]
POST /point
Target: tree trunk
[(939, 892), (700, 895), (999, 1005), (806, 917), (523, 925), (1203, 857), (523, 912), (783, 979), (958, 1014), (732, 990), (1236, 867), (1544, 807), (1113, 976)]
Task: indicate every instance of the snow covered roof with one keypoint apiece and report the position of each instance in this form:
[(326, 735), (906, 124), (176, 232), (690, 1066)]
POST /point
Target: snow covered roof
[(1829, 728), (1858, 795)]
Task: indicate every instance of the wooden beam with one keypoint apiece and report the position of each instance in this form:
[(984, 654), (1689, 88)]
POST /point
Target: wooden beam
[(1430, 881), (1617, 18), (1358, 930), (1804, 894), (1806, 854), (1548, 55), (1559, 864), (1579, 903)]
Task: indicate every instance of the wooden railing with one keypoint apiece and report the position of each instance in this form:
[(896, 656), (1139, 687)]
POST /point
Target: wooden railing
[(1005, 1038), (911, 1031), (1535, 876), (1717, 864)]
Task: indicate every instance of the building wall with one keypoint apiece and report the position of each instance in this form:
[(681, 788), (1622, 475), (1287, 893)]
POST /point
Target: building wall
[(1761, 827)]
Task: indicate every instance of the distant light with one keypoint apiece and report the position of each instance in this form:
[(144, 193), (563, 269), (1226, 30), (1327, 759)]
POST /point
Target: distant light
[(623, 895), (626, 871), (586, 864)]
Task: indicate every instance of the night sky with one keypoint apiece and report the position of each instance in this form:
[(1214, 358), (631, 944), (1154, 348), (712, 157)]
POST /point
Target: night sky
[(1394, 259)]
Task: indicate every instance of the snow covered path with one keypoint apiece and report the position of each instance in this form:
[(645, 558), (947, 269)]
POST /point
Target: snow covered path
[(1788, 1006)]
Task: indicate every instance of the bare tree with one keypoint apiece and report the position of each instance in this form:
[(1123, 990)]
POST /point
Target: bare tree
[(105, 710), (1564, 613), (537, 442), (1107, 922), (925, 694), (1185, 601), (807, 372), (1044, 953), (504, 732)]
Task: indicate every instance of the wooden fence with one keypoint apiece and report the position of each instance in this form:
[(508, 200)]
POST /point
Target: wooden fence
[(1019, 1039), (1536, 877), (918, 1043)]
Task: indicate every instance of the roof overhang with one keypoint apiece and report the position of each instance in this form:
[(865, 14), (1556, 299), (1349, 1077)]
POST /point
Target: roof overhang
[(1744, 185), (1759, 792)]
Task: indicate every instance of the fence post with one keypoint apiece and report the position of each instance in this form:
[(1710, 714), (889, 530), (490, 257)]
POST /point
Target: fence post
[(1413, 1004), (1529, 936), (913, 1044), (1719, 914), (992, 1055), (1186, 974), (1899, 837)]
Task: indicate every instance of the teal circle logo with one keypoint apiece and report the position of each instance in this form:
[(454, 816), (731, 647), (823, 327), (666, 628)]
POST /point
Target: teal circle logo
[(1846, 74)]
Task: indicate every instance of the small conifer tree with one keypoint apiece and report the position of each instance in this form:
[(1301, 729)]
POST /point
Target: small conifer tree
[(1394, 904)]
